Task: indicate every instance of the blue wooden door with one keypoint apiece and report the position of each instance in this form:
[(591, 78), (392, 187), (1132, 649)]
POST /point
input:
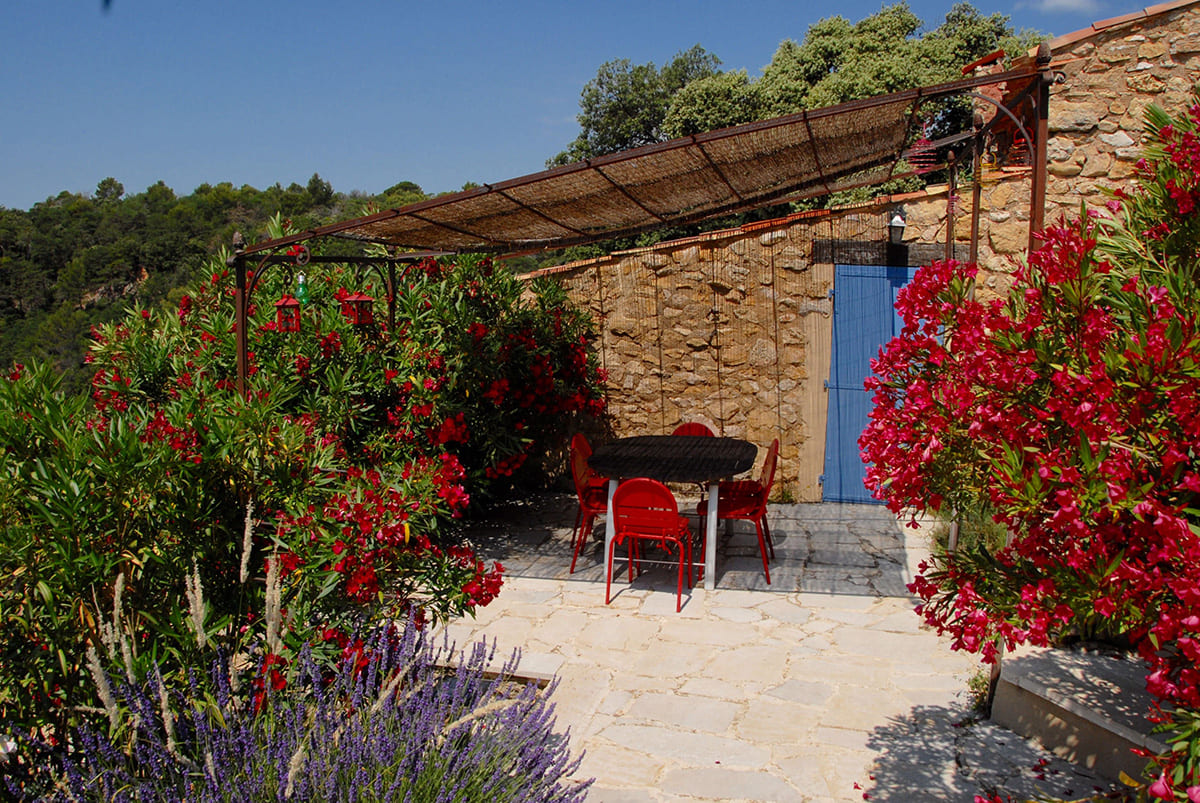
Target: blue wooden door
[(864, 319)]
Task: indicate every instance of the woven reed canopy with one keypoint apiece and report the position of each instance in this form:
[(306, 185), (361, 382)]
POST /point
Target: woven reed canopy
[(678, 182)]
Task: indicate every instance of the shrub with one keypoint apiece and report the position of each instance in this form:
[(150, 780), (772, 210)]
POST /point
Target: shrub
[(1071, 409), (329, 486)]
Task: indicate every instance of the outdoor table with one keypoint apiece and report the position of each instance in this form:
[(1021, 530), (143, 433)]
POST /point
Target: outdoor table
[(674, 458)]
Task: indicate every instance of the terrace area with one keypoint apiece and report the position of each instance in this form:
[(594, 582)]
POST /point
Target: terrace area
[(823, 686)]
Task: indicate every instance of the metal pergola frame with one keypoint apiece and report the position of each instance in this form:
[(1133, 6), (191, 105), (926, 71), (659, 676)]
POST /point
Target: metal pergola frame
[(520, 212)]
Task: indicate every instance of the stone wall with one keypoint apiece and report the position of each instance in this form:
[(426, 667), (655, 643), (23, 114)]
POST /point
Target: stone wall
[(1097, 114), (730, 329), (1111, 72)]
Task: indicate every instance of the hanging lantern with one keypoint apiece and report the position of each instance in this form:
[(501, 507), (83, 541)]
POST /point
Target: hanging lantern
[(989, 172), (922, 155), (358, 309), (287, 314), (896, 228)]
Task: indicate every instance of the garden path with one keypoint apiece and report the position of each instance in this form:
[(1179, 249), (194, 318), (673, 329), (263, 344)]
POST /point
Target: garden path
[(821, 687)]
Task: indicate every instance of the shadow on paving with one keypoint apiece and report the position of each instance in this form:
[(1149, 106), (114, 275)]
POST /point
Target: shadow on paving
[(819, 548), (934, 753)]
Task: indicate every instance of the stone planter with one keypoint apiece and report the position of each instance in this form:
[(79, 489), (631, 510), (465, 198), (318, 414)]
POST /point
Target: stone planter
[(1088, 706)]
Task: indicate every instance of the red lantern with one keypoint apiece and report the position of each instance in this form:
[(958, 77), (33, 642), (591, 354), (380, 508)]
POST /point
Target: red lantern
[(922, 156), (358, 309), (287, 314), (1018, 154)]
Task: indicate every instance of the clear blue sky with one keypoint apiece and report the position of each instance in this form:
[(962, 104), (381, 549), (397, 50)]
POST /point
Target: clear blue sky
[(365, 93)]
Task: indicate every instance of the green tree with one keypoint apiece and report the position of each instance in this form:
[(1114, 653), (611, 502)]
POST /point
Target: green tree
[(625, 105), (319, 190), (109, 189), (401, 194), (886, 52), (840, 61), (712, 102)]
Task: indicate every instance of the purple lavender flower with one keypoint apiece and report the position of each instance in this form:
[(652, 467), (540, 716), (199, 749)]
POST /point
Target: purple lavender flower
[(401, 727)]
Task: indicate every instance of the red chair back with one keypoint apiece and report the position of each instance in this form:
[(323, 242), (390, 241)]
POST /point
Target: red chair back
[(767, 478), (581, 472), (693, 428), (646, 510), (646, 507)]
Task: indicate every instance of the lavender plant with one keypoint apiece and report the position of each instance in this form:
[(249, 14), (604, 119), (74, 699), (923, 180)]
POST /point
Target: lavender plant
[(393, 723)]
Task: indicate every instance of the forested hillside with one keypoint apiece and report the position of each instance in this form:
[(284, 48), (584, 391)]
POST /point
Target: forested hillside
[(76, 260)]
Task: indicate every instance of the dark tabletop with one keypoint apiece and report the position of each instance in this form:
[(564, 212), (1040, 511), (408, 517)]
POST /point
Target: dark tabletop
[(674, 458)]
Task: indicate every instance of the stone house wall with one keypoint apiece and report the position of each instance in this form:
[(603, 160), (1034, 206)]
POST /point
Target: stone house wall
[(1112, 73), (734, 328)]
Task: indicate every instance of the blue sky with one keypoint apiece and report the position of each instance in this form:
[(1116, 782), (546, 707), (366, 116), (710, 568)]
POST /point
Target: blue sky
[(365, 93)]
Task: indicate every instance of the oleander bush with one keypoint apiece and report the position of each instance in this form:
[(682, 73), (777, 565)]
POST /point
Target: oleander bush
[(149, 524), (1071, 410)]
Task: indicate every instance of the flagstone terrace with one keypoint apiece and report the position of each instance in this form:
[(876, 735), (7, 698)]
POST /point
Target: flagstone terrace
[(822, 686)]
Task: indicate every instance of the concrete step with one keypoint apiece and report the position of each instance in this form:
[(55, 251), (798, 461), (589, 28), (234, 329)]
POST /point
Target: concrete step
[(1087, 705)]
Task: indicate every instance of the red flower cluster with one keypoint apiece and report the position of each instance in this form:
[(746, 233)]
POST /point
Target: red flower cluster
[(506, 466), (288, 563), (484, 586), (108, 390), (330, 344), (496, 391), (430, 267), (183, 441), (450, 489), (269, 679), (453, 430)]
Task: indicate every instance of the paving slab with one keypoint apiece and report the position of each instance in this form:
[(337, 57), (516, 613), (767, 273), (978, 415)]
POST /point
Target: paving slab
[(818, 688)]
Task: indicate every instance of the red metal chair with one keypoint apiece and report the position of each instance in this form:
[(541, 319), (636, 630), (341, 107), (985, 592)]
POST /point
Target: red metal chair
[(747, 500), (698, 429), (645, 512), (592, 492)]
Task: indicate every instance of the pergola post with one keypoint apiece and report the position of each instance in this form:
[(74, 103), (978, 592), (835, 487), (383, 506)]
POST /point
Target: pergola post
[(240, 316), (391, 298), (1037, 201), (976, 189), (951, 202)]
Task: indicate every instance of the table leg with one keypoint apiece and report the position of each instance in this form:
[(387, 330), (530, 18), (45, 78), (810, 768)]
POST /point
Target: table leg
[(710, 539), (610, 528)]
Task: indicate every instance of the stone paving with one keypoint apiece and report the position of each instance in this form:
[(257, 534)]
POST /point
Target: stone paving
[(822, 686)]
